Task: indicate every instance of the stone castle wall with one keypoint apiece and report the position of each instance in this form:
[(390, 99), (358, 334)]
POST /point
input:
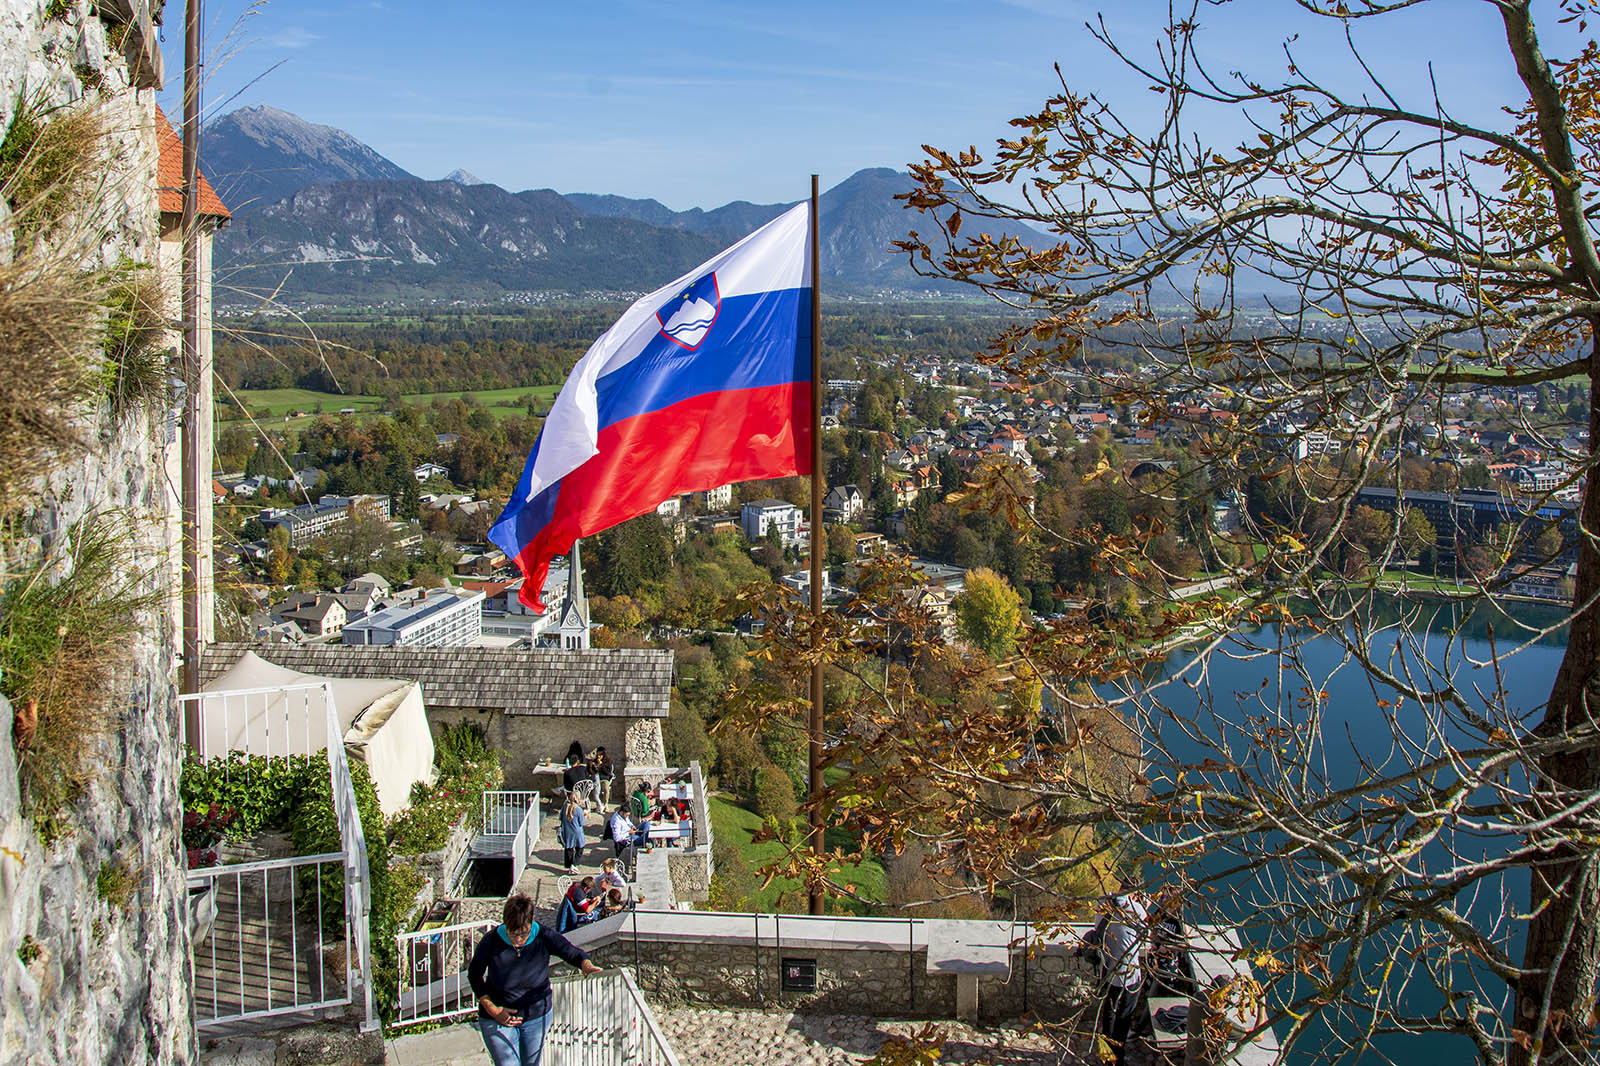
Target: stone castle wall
[(869, 981), (84, 980)]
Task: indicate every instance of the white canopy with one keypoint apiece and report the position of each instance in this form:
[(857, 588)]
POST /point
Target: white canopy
[(266, 709)]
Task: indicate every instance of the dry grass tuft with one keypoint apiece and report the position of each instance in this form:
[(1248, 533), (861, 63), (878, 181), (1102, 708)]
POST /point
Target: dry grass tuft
[(50, 318), (62, 645), (49, 159), (138, 363)]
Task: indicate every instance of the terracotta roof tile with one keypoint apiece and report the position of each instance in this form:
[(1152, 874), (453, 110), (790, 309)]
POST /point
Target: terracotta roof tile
[(169, 176)]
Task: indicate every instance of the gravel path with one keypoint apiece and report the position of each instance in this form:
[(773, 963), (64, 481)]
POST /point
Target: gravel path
[(757, 1038)]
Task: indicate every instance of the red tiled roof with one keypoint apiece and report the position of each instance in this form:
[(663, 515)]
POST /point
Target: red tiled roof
[(169, 176), (488, 588)]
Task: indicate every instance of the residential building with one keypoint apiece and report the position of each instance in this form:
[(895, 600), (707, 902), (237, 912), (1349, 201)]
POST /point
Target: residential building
[(1540, 478), (714, 499), (309, 521), (800, 581), (718, 523), (425, 471), (1011, 440), (868, 544), (843, 504), (443, 617), (323, 616), (759, 516)]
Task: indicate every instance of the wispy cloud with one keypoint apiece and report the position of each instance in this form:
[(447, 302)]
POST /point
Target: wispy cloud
[(293, 37)]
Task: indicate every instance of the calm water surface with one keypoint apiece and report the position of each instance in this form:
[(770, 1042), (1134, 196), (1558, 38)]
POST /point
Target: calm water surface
[(1242, 678)]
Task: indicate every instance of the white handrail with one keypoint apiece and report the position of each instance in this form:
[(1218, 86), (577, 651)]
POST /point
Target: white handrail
[(504, 810), (280, 722)]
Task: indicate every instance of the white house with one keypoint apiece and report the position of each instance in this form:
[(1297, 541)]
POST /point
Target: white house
[(800, 581), (429, 470), (444, 617), (758, 516), (844, 503)]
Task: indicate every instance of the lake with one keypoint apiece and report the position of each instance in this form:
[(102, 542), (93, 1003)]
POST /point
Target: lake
[(1303, 718)]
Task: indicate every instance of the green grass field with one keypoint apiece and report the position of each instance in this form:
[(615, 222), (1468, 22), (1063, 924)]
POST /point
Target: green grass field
[(730, 822), (280, 403)]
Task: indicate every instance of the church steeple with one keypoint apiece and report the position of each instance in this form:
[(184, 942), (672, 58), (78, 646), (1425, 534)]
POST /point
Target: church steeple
[(574, 628)]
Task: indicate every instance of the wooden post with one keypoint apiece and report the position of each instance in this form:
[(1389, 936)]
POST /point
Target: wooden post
[(814, 754), (190, 357)]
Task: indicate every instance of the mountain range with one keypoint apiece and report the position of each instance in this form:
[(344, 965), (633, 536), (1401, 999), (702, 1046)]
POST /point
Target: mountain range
[(320, 215)]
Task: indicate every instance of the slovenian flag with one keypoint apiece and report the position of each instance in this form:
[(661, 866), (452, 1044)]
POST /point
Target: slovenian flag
[(704, 382)]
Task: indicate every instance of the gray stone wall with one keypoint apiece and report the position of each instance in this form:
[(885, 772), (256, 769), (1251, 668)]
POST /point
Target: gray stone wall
[(690, 870), (97, 982), (873, 982), (528, 740)]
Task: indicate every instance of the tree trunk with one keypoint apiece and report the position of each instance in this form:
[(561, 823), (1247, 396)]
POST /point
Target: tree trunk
[(1562, 957)]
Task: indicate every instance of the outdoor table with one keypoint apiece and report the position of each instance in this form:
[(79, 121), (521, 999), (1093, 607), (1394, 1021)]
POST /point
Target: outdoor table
[(682, 791), (666, 832)]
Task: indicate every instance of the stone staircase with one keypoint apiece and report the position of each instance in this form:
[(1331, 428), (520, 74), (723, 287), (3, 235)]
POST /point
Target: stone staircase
[(262, 951)]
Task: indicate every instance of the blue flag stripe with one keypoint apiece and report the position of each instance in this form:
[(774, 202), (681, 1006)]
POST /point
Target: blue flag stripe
[(760, 339)]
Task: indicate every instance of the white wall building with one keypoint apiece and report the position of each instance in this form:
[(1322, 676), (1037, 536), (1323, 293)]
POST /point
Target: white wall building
[(758, 516), (714, 499), (444, 617)]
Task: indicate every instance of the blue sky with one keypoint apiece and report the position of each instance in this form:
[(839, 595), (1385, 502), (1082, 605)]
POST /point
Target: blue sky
[(700, 102)]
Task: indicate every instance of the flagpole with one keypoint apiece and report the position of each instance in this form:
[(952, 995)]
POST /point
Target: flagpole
[(814, 760), (189, 360)]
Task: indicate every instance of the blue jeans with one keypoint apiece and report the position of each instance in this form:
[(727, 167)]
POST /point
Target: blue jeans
[(515, 1045)]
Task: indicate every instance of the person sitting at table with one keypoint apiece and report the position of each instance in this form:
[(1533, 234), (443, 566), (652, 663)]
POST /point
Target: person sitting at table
[(578, 781), (584, 895), (624, 833), (639, 803), (610, 876), (614, 903), (668, 812)]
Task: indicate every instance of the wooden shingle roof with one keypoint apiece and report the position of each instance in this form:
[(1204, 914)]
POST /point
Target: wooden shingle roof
[(595, 682)]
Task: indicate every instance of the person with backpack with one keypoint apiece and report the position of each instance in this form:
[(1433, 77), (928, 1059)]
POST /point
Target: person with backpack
[(1118, 940)]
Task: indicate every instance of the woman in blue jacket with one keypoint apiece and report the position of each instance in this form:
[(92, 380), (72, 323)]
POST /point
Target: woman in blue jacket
[(510, 975), (571, 833)]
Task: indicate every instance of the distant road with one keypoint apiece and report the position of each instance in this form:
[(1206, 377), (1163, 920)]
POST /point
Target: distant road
[(1201, 588)]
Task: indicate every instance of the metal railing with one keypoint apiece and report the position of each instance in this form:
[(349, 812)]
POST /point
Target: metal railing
[(433, 972), (600, 1020), (522, 845), (273, 721), (603, 1020), (268, 938), (504, 812), (286, 722)]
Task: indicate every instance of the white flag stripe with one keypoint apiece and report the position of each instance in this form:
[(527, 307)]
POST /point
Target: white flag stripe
[(772, 258)]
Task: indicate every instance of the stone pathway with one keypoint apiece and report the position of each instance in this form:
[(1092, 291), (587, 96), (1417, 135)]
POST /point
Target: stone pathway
[(758, 1038)]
